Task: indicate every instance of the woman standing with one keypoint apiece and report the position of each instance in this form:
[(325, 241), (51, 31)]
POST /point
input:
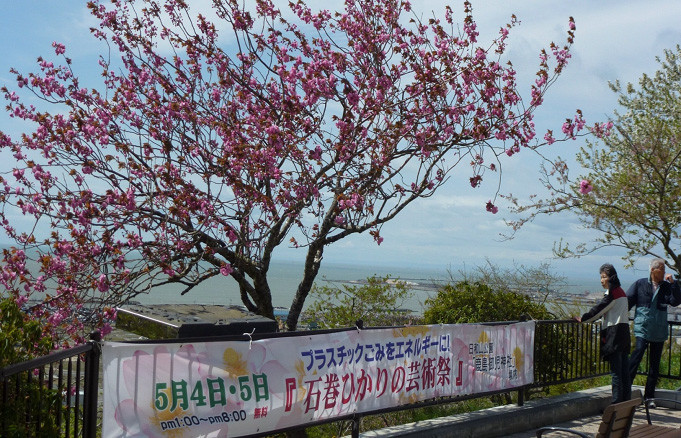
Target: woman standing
[(615, 338)]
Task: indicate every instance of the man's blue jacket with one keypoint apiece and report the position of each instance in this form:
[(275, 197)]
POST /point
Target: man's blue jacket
[(650, 319)]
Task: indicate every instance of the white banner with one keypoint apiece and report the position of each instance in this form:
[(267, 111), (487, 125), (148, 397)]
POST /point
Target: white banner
[(231, 389)]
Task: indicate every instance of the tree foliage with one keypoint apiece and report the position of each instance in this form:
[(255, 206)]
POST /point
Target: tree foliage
[(465, 302), (28, 408), (378, 302), (539, 280), (20, 337), (204, 150), (630, 191)]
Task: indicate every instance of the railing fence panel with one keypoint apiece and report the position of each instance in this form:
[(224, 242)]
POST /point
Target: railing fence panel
[(52, 396), (59, 392)]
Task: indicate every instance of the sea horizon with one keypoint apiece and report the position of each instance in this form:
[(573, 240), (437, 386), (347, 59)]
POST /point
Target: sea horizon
[(284, 277)]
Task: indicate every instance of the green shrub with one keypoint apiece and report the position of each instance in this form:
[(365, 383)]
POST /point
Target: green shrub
[(31, 408), (20, 338), (466, 302)]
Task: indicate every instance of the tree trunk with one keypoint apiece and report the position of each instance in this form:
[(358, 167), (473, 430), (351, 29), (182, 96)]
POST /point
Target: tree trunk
[(312, 263)]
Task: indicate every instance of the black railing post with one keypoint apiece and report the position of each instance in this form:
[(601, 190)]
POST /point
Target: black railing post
[(91, 386), (521, 396), (355, 426)]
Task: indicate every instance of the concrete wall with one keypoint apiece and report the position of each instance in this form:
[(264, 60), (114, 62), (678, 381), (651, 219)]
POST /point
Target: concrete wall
[(501, 421)]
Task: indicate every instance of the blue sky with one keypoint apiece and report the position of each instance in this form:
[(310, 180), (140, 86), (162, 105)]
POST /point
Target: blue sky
[(614, 40)]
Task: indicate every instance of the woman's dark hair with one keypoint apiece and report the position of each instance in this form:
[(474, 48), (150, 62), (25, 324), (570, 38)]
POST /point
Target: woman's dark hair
[(613, 280)]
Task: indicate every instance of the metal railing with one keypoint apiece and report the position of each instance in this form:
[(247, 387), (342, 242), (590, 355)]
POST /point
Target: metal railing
[(578, 346), (566, 351), (53, 395), (670, 365), (60, 391)]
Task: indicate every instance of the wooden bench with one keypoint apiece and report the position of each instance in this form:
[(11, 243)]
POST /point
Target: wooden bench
[(651, 430), (616, 423)]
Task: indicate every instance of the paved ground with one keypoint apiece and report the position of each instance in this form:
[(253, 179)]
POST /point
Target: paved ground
[(512, 421), (660, 416)]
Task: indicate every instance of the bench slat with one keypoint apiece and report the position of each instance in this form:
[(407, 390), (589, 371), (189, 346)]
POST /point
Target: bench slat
[(652, 430)]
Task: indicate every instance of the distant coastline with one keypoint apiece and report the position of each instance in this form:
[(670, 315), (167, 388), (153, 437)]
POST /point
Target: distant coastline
[(284, 277)]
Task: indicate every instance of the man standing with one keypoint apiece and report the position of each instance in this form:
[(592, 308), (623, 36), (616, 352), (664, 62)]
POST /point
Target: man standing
[(651, 296)]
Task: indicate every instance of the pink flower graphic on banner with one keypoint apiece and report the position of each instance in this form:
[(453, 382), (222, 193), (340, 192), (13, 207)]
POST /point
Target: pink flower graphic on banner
[(258, 360), (147, 380)]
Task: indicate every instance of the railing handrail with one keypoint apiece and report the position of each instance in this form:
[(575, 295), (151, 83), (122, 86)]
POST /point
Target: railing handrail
[(75, 417), (579, 336), (47, 359)]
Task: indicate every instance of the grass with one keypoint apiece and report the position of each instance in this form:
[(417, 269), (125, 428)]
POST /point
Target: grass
[(380, 421)]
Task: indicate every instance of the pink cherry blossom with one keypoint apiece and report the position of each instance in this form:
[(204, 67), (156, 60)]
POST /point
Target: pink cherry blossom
[(226, 270), (187, 159)]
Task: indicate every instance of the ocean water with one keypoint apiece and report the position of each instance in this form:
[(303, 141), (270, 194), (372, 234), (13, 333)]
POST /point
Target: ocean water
[(285, 276)]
